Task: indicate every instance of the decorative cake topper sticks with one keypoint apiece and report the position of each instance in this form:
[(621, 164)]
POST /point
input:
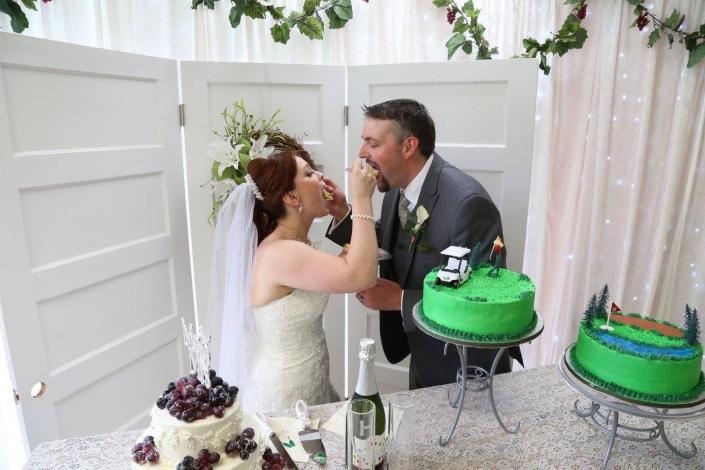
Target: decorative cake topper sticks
[(197, 343)]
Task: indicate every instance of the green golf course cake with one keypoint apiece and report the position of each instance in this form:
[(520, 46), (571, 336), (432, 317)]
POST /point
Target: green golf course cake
[(639, 357), (477, 302)]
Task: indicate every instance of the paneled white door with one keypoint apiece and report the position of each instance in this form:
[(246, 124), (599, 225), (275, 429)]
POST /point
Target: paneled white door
[(94, 268), (484, 116), (311, 99)]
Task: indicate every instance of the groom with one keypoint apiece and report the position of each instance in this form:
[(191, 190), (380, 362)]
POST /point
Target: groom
[(399, 138)]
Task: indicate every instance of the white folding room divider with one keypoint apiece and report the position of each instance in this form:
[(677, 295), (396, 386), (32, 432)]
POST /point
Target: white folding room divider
[(94, 270)]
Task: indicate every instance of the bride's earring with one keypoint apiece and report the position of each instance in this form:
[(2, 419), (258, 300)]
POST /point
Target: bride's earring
[(301, 208)]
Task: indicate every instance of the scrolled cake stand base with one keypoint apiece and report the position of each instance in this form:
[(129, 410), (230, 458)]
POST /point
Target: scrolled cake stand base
[(473, 378), (605, 409)]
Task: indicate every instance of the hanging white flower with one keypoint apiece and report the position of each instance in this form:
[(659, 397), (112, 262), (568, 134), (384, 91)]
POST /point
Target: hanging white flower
[(225, 154), (258, 149), (222, 188)]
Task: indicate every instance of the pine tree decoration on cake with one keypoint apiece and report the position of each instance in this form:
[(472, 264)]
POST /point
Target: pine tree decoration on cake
[(692, 326), (602, 302), (590, 311), (476, 256)]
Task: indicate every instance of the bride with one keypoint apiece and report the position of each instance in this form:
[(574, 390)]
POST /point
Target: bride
[(269, 286)]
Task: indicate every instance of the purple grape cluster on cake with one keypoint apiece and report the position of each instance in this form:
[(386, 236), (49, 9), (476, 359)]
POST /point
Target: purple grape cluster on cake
[(145, 451), (273, 460), (203, 461), (187, 399), (242, 445)]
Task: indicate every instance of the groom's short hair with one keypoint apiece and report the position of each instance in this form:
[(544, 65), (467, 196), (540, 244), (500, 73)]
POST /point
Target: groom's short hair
[(410, 118)]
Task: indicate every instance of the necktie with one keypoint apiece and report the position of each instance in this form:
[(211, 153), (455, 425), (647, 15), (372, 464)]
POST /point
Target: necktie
[(403, 210)]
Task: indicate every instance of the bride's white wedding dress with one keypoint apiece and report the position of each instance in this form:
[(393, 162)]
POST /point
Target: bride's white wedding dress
[(290, 354)]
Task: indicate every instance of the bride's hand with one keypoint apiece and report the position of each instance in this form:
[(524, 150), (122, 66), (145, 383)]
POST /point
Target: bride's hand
[(362, 183), (338, 206)]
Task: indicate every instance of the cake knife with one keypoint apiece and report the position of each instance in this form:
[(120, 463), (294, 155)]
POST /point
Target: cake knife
[(267, 431)]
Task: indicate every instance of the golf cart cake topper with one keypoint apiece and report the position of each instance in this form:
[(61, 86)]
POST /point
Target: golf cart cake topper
[(456, 267)]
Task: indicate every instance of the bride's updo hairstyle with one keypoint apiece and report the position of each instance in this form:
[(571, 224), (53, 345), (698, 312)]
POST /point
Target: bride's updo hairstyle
[(274, 177)]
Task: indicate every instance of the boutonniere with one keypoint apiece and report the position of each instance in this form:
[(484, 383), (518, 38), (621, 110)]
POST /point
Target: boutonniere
[(420, 216)]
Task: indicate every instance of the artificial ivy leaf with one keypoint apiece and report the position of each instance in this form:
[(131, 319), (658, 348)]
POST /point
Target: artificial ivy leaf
[(483, 53), (670, 41), (29, 4), (280, 33), (18, 20), (654, 37), (310, 6), (311, 27), (467, 47), (195, 3), (696, 55), (468, 8), (344, 9), (235, 16), (543, 65), (672, 21), (494, 51), (454, 43), (460, 25), (255, 10), (635, 2), (210, 4), (530, 43), (276, 12), (690, 42), (334, 21), (702, 28), (441, 3)]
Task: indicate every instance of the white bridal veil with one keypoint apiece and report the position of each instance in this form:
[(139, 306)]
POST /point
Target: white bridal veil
[(230, 319)]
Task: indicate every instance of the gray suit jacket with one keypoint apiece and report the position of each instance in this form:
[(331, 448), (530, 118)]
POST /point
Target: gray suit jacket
[(461, 213)]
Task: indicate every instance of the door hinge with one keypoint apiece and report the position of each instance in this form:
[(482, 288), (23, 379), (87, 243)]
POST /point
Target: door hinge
[(182, 116), (346, 115)]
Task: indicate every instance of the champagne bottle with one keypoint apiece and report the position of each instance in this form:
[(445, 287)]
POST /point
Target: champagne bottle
[(367, 388)]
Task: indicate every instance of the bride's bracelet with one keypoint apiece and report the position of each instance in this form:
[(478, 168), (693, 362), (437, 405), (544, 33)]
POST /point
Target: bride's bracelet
[(363, 217)]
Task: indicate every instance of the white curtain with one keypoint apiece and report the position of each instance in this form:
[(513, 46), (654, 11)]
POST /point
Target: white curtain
[(618, 183)]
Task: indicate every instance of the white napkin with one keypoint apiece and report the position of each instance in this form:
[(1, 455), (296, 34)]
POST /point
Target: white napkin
[(336, 423), (287, 430)]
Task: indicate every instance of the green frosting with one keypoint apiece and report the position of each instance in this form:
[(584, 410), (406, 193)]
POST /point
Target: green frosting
[(467, 336), (641, 336), (484, 307), (644, 377), (629, 393)]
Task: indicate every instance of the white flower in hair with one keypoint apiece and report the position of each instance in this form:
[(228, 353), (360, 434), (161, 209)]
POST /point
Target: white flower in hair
[(225, 154), (258, 149)]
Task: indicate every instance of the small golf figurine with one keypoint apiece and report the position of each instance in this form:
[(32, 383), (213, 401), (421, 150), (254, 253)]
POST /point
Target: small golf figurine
[(497, 253)]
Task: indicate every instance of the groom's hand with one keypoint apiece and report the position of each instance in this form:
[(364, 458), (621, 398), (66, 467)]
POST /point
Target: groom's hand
[(338, 206), (384, 295)]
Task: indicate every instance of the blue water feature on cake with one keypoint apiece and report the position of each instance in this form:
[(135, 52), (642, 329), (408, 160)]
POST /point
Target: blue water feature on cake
[(642, 348)]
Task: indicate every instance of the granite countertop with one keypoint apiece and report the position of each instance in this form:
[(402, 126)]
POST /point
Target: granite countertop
[(551, 436)]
